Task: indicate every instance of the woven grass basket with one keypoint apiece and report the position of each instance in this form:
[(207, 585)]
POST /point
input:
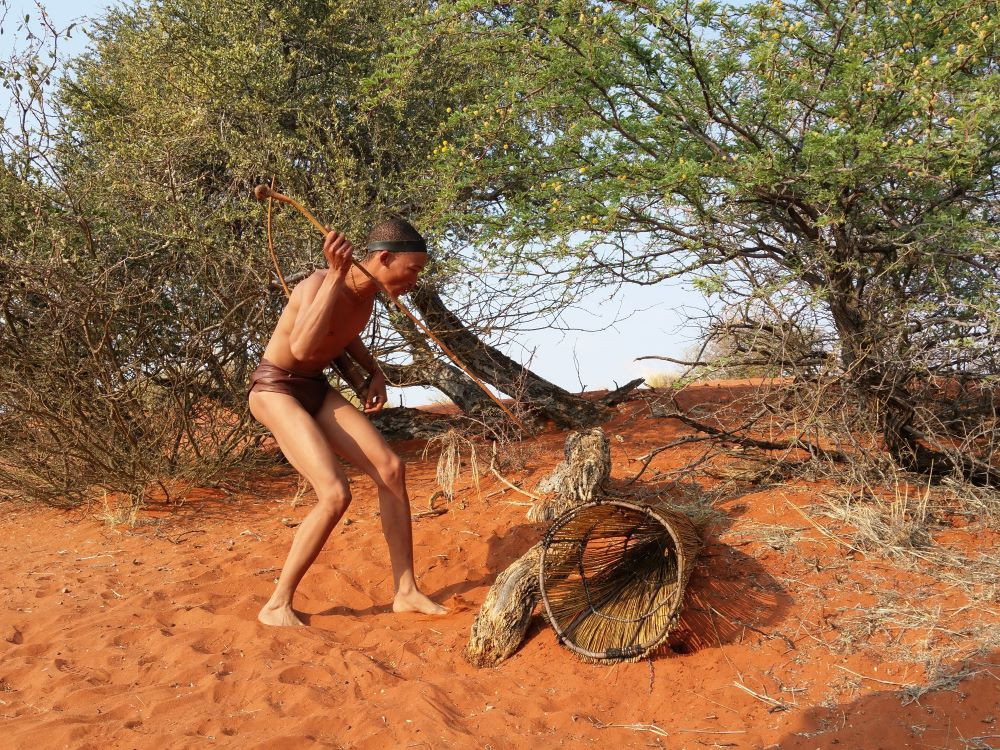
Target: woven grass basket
[(612, 577)]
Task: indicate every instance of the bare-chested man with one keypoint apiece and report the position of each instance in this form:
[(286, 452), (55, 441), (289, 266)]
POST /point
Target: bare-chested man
[(313, 423)]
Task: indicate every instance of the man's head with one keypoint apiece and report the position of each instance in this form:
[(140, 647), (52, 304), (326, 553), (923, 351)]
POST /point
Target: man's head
[(396, 254)]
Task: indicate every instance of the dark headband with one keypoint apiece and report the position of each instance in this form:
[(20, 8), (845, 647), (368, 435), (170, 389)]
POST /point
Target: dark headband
[(398, 246)]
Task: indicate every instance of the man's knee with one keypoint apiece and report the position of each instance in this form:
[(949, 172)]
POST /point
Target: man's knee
[(334, 496), (391, 471)]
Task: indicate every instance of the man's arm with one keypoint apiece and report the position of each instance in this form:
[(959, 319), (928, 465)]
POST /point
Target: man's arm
[(316, 299), (376, 396), (357, 349)]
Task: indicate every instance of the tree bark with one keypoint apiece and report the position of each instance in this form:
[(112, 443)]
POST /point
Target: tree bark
[(577, 479), (489, 364), (452, 382), (503, 619)]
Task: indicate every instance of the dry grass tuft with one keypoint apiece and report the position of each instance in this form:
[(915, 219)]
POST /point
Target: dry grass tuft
[(892, 525), (452, 444), (119, 512), (662, 379), (978, 503)]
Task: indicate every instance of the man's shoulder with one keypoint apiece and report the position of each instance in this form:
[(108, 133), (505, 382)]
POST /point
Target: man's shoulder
[(310, 283), (316, 276)]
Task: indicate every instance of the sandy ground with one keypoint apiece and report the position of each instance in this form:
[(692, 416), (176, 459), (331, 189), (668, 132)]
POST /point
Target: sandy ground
[(146, 637)]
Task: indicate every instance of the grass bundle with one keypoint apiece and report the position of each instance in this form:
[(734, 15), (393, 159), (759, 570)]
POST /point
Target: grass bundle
[(449, 464)]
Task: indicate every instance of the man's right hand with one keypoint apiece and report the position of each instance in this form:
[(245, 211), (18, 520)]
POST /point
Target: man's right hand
[(337, 250)]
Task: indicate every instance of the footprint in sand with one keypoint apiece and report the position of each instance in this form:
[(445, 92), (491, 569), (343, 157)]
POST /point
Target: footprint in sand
[(213, 644), (87, 674), (304, 675)]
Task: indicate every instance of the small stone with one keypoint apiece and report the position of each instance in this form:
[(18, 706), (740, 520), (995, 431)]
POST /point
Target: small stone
[(290, 522), (13, 635), (137, 562), (348, 522), (64, 590)]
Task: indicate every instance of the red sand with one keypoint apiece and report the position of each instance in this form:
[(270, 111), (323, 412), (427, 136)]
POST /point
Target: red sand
[(146, 637)]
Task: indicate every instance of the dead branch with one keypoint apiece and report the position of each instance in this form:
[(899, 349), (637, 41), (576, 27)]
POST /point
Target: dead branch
[(615, 397), (731, 436)]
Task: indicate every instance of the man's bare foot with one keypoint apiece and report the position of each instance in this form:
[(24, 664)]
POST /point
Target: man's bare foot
[(414, 601), (279, 615)]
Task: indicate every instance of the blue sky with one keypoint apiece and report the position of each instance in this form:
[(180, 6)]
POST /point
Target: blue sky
[(652, 320)]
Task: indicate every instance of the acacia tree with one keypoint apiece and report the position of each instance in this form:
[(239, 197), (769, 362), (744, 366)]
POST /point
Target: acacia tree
[(139, 255), (315, 95), (843, 153)]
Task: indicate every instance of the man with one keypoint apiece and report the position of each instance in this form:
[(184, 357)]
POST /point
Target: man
[(313, 423)]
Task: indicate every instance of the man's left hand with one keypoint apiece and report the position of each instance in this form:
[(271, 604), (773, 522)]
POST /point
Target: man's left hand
[(376, 396)]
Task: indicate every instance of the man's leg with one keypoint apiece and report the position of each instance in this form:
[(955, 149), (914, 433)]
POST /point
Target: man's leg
[(356, 439), (307, 448)]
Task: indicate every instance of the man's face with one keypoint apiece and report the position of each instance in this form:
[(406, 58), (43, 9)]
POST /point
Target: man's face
[(401, 271)]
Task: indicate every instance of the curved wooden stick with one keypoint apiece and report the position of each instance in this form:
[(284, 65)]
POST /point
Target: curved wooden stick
[(263, 192), (270, 243)]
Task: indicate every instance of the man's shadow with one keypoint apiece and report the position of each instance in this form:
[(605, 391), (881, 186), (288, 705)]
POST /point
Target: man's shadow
[(502, 551)]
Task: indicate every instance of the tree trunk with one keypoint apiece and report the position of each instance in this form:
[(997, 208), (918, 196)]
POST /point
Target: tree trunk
[(499, 370), (505, 615), (452, 382), (882, 383), (428, 370), (577, 479)]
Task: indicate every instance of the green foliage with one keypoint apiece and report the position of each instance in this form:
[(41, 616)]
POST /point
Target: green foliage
[(690, 126), (841, 153)]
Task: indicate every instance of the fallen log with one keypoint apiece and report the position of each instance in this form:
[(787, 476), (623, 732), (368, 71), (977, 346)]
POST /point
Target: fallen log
[(506, 613), (504, 618), (623, 393)]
